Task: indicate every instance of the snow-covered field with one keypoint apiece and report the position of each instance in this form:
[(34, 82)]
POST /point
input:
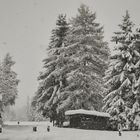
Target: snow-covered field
[(42, 123), (24, 132)]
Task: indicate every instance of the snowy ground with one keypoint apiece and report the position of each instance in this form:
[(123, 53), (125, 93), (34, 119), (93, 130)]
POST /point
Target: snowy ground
[(24, 132)]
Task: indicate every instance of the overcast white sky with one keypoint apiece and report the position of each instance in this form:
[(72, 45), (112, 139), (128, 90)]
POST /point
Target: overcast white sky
[(25, 29)]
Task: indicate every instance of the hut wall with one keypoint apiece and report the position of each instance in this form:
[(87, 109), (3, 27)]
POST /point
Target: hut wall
[(89, 122)]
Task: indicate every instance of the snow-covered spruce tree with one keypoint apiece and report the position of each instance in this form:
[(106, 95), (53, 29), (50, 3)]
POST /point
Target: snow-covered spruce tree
[(1, 85), (136, 98), (8, 81), (87, 53), (51, 80), (120, 77)]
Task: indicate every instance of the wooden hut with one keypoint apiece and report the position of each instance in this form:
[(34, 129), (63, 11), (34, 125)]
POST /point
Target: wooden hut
[(88, 119)]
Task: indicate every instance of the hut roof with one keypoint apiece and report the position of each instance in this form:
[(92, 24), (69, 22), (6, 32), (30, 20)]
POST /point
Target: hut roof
[(86, 112)]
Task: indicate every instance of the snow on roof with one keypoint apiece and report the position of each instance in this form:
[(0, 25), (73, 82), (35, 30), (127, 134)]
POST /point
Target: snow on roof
[(87, 112)]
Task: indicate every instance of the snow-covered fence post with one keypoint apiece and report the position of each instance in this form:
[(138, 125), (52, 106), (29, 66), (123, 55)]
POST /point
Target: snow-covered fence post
[(34, 128), (0, 123), (0, 128), (48, 128), (120, 129)]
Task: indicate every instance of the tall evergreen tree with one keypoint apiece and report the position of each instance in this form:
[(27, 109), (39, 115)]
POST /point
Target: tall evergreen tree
[(51, 80), (120, 76), (136, 98), (1, 85), (87, 53), (9, 81)]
